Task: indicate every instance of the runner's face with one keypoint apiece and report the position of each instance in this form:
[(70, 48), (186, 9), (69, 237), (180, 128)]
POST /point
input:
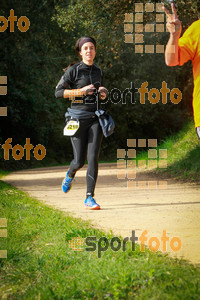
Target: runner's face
[(88, 53)]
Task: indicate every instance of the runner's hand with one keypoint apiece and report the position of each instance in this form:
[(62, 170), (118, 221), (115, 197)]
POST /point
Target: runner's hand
[(103, 92), (173, 23), (88, 89)]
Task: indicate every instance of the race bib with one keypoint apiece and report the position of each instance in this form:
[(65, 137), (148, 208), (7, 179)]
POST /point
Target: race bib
[(71, 128)]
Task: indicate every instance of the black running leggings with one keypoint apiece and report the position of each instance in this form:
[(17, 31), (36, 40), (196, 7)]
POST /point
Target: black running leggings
[(87, 141)]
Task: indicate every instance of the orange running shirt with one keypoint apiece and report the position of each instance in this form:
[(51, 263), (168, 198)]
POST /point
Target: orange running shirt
[(189, 49)]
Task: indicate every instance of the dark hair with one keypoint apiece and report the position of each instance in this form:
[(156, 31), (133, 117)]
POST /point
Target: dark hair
[(78, 48), (79, 42), (73, 63)]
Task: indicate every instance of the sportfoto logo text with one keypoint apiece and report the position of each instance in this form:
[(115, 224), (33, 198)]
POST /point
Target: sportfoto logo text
[(101, 245)]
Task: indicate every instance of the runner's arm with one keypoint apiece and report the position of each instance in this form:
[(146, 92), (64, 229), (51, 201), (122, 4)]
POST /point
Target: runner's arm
[(78, 92), (62, 86), (175, 28), (62, 90)]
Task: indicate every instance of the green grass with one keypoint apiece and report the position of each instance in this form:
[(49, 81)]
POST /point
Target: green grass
[(41, 265), (183, 155), (3, 173)]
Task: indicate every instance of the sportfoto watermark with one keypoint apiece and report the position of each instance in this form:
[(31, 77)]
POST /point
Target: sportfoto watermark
[(116, 96), (18, 150), (128, 164), (23, 22), (134, 23), (102, 244), (3, 92), (3, 234)]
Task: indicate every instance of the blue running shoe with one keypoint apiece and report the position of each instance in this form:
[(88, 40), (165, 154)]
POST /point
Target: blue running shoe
[(67, 183), (90, 203)]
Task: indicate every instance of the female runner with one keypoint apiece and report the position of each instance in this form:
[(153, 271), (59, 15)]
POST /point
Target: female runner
[(84, 79)]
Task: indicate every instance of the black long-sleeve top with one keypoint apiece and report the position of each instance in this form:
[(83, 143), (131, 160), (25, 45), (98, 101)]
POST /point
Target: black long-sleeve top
[(78, 76)]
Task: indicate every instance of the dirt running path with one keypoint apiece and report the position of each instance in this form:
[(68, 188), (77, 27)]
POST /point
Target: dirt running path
[(176, 209)]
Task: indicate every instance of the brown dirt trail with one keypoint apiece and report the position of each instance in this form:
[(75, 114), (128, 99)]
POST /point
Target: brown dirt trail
[(175, 209)]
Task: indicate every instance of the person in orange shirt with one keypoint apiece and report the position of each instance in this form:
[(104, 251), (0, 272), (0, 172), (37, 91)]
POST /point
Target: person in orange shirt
[(180, 50)]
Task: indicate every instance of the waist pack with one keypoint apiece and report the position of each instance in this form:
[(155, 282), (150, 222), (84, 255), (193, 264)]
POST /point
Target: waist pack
[(106, 122)]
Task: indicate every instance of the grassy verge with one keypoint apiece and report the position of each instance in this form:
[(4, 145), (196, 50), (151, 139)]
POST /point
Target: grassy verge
[(41, 265), (183, 155), (3, 173)]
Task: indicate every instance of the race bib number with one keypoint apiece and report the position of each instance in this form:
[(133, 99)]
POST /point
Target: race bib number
[(71, 128)]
